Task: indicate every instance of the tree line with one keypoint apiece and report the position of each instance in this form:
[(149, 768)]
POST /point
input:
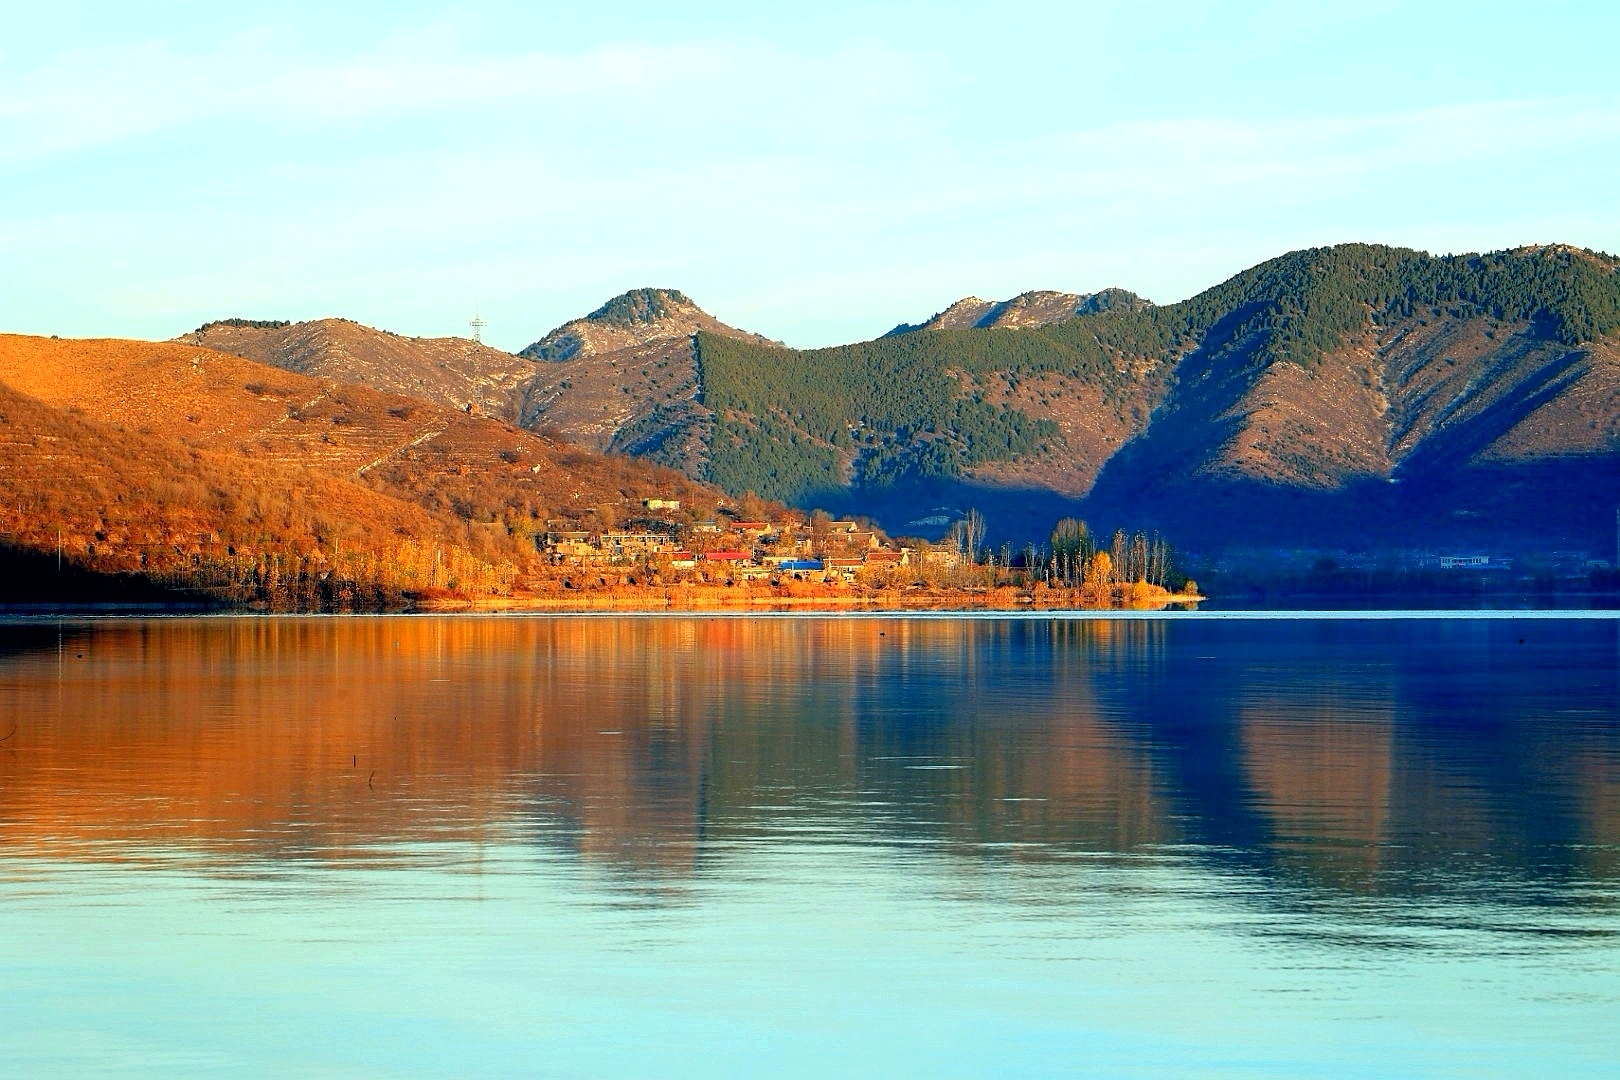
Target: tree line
[(1124, 564)]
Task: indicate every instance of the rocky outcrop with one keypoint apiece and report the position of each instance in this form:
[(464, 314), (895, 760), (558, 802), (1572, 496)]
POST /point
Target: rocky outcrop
[(1038, 308)]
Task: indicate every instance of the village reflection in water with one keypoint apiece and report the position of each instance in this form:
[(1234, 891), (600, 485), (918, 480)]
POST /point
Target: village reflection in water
[(1393, 759)]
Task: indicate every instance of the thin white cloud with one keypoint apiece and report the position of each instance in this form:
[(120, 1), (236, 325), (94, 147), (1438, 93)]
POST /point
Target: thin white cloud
[(814, 195), (89, 98), (1155, 164)]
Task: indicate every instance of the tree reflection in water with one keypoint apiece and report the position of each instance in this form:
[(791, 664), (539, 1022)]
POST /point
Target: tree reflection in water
[(1362, 758)]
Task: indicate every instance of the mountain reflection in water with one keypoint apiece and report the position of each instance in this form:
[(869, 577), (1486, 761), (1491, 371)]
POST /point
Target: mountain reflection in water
[(1424, 759)]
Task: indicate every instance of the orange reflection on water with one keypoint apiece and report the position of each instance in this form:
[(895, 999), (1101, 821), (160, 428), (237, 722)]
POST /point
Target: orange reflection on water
[(639, 741), (1321, 771), (323, 736)]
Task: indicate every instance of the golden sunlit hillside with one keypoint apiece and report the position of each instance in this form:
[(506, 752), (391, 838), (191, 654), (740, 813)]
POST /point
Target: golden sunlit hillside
[(449, 371), (137, 512), (198, 470)]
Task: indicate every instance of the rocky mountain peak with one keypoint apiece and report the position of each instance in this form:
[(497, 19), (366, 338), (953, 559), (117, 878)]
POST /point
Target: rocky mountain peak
[(1039, 307), (1110, 298), (636, 318), (644, 306)]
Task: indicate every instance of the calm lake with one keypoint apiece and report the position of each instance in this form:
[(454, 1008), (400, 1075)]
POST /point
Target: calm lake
[(958, 846)]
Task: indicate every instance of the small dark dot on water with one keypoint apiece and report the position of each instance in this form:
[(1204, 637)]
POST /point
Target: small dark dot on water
[(1521, 641)]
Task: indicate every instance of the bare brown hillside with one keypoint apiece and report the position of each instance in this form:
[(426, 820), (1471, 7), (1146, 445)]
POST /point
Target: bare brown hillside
[(449, 371), (622, 379), (220, 402), (105, 435), (625, 379), (644, 399), (1091, 428), (138, 508)]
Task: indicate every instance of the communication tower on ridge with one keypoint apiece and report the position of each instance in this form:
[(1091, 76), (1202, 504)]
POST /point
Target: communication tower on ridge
[(477, 323)]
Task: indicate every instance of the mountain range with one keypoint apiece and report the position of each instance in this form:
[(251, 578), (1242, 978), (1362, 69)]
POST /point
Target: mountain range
[(1356, 396)]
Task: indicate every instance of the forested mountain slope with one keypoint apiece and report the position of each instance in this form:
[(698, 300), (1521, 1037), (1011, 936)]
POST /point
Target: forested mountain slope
[(1313, 380)]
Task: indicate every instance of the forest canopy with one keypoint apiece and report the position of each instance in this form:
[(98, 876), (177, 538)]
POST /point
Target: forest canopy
[(796, 424)]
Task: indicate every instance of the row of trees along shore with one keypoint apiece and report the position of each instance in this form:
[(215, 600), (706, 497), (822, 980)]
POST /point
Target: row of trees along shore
[(288, 564), (1125, 566), (175, 549), (336, 580)]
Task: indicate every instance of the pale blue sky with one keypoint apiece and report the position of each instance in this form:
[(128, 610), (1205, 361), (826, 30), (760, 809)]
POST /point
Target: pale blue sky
[(816, 174)]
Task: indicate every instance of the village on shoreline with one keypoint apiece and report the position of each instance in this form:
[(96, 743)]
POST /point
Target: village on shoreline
[(658, 561)]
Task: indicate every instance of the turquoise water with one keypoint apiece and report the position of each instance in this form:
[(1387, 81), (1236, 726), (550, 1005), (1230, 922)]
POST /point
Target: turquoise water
[(1205, 846)]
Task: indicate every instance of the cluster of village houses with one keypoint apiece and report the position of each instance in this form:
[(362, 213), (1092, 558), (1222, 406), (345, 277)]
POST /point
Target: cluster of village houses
[(839, 551)]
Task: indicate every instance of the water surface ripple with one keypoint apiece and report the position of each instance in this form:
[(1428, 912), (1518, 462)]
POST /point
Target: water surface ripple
[(1349, 845)]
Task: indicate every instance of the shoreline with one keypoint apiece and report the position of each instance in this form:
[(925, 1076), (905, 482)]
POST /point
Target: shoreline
[(661, 601), (723, 599)]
